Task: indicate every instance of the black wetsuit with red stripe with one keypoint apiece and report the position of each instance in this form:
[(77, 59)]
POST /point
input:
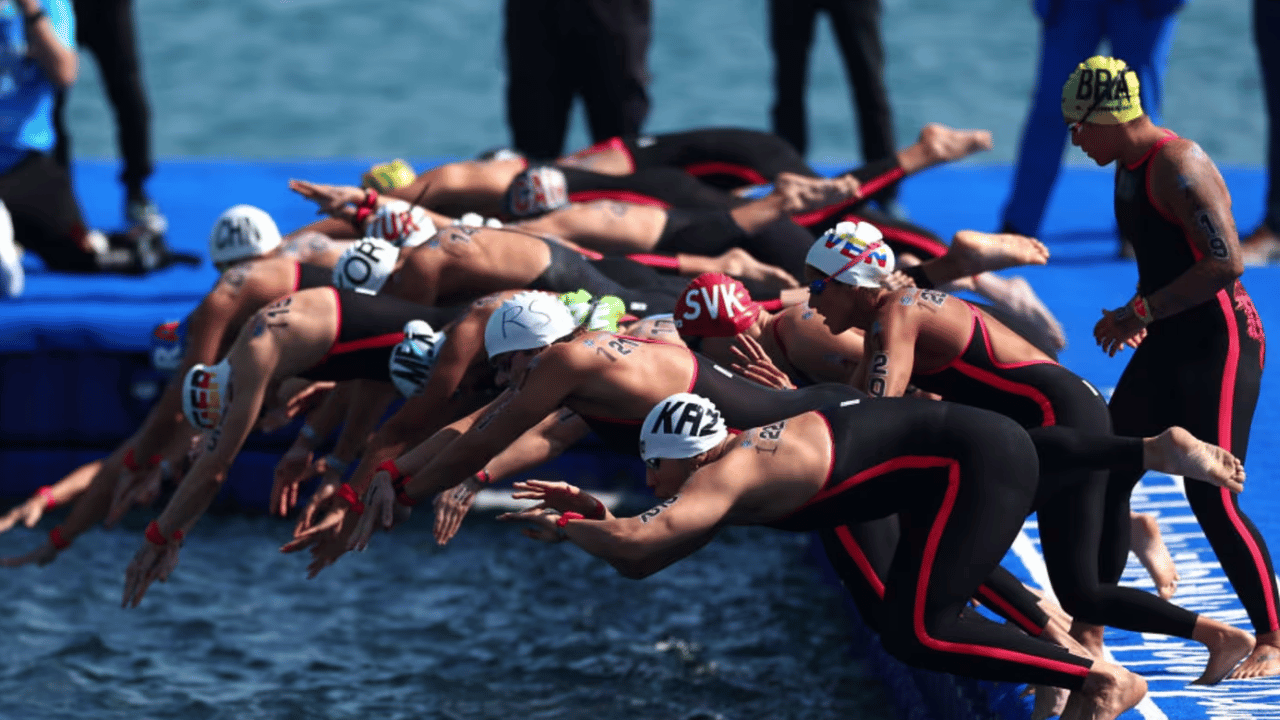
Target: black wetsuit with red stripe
[(308, 276), (1079, 522), (1201, 369), (726, 158), (368, 327), (742, 403), (960, 480)]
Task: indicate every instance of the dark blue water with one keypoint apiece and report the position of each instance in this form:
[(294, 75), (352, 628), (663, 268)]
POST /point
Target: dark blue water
[(493, 626)]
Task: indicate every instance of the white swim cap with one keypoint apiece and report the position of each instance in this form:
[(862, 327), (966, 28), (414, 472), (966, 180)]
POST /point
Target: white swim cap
[(400, 224), (536, 191), (414, 357), (835, 252), (365, 266), (206, 392), (527, 321), (241, 232), (683, 425)]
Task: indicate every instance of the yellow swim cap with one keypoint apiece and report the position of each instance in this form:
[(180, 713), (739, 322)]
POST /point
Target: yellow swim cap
[(1101, 90)]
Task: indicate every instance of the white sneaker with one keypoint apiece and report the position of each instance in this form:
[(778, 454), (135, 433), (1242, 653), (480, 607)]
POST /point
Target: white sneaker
[(12, 279)]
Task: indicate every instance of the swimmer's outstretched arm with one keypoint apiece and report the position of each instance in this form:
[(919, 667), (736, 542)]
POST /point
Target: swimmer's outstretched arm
[(638, 547), (158, 556), (48, 497), (541, 443)]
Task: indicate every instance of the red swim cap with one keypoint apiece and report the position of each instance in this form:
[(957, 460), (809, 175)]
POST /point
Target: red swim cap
[(715, 305)]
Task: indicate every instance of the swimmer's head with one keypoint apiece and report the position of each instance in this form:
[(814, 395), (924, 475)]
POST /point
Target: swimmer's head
[(594, 313), (389, 175), (1103, 91), (680, 427), (206, 393), (365, 266), (400, 224), (850, 253), (414, 357), (242, 232), (168, 345), (715, 305), (527, 321), (536, 191)]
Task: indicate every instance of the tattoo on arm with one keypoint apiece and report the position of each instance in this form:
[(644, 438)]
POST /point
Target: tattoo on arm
[(766, 439), (656, 510), (879, 371), (274, 315)]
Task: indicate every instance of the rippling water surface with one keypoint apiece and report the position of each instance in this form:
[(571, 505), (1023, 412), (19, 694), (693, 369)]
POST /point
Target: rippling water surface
[(493, 626)]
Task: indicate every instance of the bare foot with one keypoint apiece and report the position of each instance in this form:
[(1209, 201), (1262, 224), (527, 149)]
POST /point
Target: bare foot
[(1108, 691), (1227, 646), (802, 194), (1148, 545), (1262, 247), (976, 252), (1016, 294), (1090, 638), (944, 144), (1049, 701), (1263, 661), (1177, 452), (743, 265)]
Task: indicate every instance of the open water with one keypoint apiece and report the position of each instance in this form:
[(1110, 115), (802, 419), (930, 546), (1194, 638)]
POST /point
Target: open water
[(496, 626)]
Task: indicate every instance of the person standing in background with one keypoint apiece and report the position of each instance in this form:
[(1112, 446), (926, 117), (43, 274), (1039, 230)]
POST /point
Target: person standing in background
[(559, 49), (1140, 32), (856, 24), (1263, 244), (106, 28)]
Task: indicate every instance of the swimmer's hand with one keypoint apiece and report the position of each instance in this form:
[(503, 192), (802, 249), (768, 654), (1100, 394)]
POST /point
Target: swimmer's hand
[(1117, 329), (324, 500), (541, 521), (379, 511), (41, 556), (334, 200), (132, 488), (755, 364), (562, 497), (452, 505), (152, 562), (327, 540), (295, 467), (28, 513)]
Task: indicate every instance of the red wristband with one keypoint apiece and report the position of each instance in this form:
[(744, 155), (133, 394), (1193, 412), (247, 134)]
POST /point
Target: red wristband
[(370, 199), (46, 492), (566, 517), (600, 508), (483, 476), (155, 537), (403, 498), (56, 539), (389, 467), (1142, 310), (348, 493), (131, 461)]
